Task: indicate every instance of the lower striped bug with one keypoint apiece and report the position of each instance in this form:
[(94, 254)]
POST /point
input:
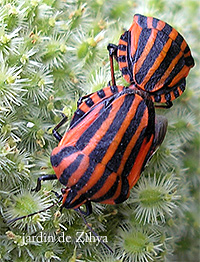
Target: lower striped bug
[(154, 57), (112, 135)]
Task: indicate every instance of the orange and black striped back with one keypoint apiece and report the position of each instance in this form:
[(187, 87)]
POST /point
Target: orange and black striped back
[(103, 153), (92, 99), (155, 57)]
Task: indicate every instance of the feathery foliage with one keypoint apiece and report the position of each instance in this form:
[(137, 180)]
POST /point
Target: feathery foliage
[(51, 53)]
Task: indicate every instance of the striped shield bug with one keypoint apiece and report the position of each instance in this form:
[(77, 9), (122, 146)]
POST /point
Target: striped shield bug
[(112, 135), (100, 158), (154, 57)]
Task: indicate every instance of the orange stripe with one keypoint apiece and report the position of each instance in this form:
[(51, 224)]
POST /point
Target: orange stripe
[(96, 175), (136, 169), (127, 78), (71, 136), (156, 65), (65, 163), (117, 139), (111, 201), (122, 42), (105, 188), (173, 34), (121, 53), (160, 25), (183, 45), (122, 65), (172, 96), (104, 127), (135, 30), (161, 82), (183, 73), (74, 178), (131, 144), (149, 22), (146, 51)]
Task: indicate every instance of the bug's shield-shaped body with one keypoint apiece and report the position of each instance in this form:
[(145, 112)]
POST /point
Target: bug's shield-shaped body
[(102, 155), (155, 57)]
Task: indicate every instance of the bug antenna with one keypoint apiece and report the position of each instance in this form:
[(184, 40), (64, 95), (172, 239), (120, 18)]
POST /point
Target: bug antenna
[(93, 232), (32, 214)]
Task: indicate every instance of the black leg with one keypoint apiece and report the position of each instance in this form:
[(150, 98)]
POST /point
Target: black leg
[(92, 231), (168, 104), (112, 52), (43, 178), (56, 194), (80, 100), (55, 133)]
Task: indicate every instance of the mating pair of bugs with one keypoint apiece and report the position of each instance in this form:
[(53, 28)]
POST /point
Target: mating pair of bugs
[(115, 131)]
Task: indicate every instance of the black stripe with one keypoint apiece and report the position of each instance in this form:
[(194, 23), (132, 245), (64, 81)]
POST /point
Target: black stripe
[(109, 193), (155, 22), (159, 72), (179, 40), (167, 29), (122, 47), (95, 188), (86, 176), (142, 20), (178, 67), (130, 60), (182, 84), (92, 129), (124, 191), (134, 153), (176, 93), (70, 170), (189, 61), (102, 147), (63, 153), (77, 115), (114, 89), (89, 102), (157, 98), (143, 38), (101, 93), (115, 161), (70, 197), (126, 71), (122, 58), (124, 36), (168, 97), (157, 47)]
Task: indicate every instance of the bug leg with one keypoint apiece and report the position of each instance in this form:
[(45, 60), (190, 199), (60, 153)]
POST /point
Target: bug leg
[(112, 49), (168, 104), (80, 100), (55, 133), (92, 231), (43, 178), (56, 194)]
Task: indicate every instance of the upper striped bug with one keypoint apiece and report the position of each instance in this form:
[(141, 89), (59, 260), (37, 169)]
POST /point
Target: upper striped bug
[(154, 57)]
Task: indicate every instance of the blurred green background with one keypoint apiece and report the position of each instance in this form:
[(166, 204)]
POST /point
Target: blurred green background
[(51, 53)]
